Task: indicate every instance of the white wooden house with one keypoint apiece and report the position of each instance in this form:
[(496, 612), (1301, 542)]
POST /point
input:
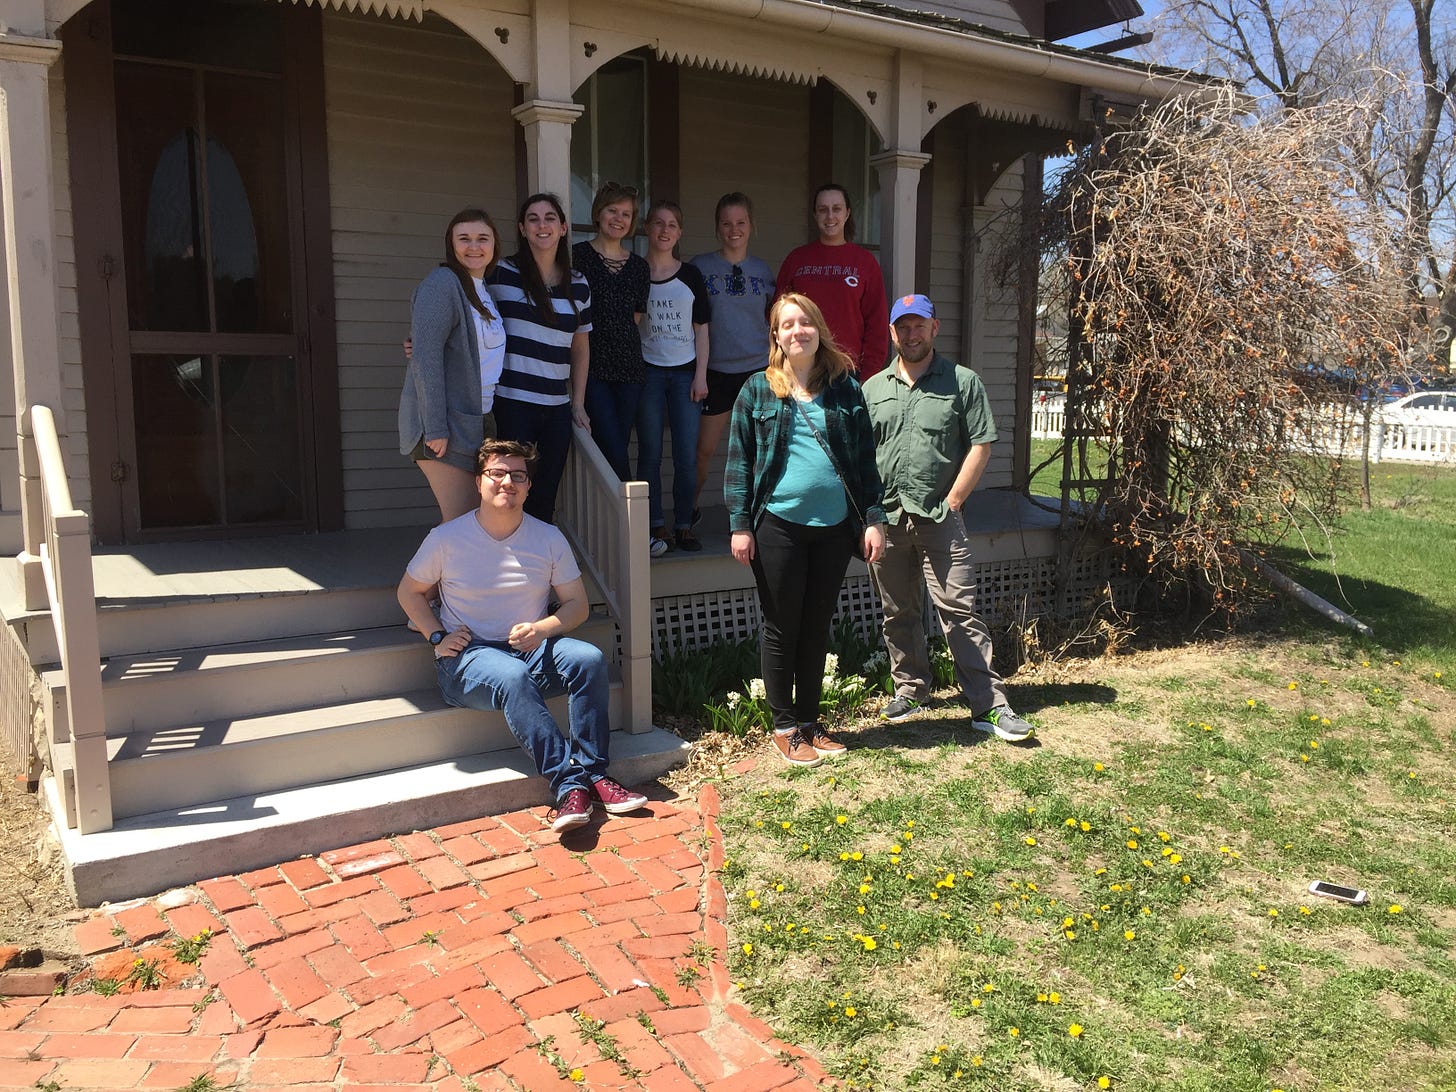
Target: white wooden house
[(214, 213)]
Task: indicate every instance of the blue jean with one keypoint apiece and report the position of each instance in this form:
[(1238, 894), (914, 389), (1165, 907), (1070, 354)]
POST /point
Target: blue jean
[(667, 398), (549, 428), (492, 675), (612, 407)]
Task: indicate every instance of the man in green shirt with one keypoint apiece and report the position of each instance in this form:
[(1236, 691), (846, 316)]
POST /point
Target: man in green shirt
[(933, 436)]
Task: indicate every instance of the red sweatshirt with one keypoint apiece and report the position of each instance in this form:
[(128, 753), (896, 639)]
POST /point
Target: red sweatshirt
[(845, 281)]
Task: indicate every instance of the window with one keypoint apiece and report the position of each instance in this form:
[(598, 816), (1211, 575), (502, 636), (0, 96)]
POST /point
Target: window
[(609, 140)]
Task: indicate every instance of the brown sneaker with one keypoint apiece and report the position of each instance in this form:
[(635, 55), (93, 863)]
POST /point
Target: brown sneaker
[(794, 749), (825, 745)]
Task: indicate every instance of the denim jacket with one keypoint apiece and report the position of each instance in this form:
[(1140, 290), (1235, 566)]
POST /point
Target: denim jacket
[(758, 448)]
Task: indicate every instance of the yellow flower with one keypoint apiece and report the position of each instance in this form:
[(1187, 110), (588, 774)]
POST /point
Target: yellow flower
[(748, 949), (578, 1075), (1132, 843), (1273, 913), (1054, 997), (1030, 840), (1104, 1082), (841, 819), (754, 904), (1164, 836), (1074, 1030), (786, 824), (1304, 910), (1013, 1032), (856, 856), (1294, 686), (851, 1011), (844, 856), (1251, 703), (869, 944), (1395, 908), (1098, 767), (1129, 934), (977, 1060), (1086, 826)]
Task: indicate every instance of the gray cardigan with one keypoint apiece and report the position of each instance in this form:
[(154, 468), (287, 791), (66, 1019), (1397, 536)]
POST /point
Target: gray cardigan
[(441, 396)]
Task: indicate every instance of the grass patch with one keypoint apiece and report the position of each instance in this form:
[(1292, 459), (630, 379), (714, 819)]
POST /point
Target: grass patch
[(1124, 902)]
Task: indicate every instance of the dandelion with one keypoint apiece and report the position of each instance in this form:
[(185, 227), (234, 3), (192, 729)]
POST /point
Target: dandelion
[(1104, 1082), (1013, 1032), (1273, 913), (870, 945), (748, 949), (1364, 663), (786, 824), (1293, 686), (754, 904), (1129, 934), (1132, 843), (1030, 840), (1074, 1030), (851, 1011), (578, 1075), (1395, 908), (841, 819), (1304, 910), (1251, 703), (1086, 826), (1097, 767), (1054, 997), (856, 856)]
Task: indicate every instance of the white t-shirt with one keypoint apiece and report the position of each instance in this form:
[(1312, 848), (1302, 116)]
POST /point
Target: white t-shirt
[(490, 335), (491, 585)]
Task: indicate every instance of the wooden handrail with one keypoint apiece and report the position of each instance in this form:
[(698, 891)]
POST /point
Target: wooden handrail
[(606, 522), (78, 755)]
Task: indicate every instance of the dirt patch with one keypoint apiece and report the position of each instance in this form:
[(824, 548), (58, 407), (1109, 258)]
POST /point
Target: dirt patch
[(36, 911)]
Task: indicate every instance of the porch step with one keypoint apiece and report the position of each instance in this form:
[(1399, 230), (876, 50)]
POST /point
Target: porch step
[(176, 768), (150, 690), (144, 854)]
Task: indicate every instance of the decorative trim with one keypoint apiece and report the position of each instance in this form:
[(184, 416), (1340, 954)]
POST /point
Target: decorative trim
[(533, 111), (28, 50), (394, 9), (900, 157), (768, 71)]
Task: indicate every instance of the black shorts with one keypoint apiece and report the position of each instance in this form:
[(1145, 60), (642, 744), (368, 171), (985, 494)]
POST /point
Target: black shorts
[(723, 388)]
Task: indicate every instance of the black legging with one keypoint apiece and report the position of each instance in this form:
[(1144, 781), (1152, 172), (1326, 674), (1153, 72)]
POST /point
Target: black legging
[(799, 571)]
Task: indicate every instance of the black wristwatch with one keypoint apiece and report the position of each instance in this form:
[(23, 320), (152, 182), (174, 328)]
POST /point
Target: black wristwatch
[(436, 637)]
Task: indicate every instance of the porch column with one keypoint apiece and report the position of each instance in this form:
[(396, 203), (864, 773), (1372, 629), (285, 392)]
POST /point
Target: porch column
[(899, 205), (548, 146), (30, 271)]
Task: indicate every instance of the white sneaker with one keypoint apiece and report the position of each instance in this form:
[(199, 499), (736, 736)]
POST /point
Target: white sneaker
[(1003, 723), (656, 547)]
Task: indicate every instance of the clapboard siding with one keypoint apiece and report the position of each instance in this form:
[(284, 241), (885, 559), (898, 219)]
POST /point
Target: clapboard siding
[(405, 153), (994, 317), (73, 403)]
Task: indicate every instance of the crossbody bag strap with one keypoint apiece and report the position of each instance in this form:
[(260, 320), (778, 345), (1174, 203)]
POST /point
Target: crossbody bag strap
[(833, 463)]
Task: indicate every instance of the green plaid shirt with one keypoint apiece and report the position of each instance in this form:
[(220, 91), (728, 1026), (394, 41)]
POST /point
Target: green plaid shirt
[(758, 448)]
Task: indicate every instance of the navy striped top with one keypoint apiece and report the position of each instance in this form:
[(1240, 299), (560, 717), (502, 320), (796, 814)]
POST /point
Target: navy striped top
[(538, 355)]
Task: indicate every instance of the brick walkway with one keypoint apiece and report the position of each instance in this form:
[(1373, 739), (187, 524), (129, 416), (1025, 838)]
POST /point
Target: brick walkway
[(489, 955)]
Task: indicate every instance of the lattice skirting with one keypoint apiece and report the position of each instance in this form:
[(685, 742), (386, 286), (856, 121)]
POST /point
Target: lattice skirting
[(1007, 592)]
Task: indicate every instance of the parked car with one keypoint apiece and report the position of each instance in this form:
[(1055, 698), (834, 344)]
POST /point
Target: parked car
[(1421, 408)]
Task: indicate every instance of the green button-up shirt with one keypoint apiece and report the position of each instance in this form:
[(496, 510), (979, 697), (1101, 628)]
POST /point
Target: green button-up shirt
[(924, 432)]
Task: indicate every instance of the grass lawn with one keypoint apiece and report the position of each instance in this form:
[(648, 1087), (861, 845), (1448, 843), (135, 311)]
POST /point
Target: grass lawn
[(1123, 902)]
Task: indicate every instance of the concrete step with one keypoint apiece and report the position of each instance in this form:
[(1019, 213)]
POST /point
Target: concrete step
[(194, 765), (147, 853), (183, 686)]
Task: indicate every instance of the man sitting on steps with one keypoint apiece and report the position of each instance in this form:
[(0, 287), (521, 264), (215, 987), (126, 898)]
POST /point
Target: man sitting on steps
[(497, 648)]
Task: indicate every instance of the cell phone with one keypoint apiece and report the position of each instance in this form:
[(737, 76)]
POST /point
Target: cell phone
[(1353, 895)]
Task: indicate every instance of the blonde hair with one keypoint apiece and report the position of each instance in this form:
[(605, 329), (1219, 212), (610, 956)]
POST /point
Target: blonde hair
[(830, 362)]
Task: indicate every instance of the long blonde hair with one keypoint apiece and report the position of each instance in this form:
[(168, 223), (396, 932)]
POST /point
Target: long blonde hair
[(830, 362)]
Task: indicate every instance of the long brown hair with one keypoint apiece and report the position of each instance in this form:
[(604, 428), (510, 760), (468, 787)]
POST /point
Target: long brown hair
[(830, 362), (531, 281), (452, 263)]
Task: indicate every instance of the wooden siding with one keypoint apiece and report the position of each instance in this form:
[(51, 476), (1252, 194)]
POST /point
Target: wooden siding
[(419, 126), (73, 402), (996, 14), (994, 320)]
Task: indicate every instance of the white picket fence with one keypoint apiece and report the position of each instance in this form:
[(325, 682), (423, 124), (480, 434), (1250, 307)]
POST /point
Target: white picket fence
[(1328, 431)]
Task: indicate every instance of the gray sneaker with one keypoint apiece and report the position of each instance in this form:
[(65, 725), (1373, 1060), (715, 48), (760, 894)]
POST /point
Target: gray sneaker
[(900, 708), (656, 547), (1002, 722)]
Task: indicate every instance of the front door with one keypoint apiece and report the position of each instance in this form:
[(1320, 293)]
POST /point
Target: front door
[(212, 428)]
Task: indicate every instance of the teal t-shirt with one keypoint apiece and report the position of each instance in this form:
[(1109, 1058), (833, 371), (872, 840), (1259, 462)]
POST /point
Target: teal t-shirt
[(809, 493)]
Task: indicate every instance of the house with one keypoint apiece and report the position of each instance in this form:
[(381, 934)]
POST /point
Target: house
[(214, 212)]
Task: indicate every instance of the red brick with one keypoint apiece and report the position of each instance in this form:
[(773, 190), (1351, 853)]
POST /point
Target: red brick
[(682, 901), (491, 1051), (226, 893), (360, 936), (281, 901), (405, 959), (191, 919), (560, 998), (526, 821), (293, 1073), (667, 925), (455, 898), (305, 873), (252, 927), (700, 1059), (466, 826), (454, 1036), (668, 1078), (507, 899), (488, 1011), (443, 987), (545, 908), (657, 947), (362, 851), (371, 989), (368, 865), (441, 872), (160, 1021), (552, 960), (337, 967), (372, 1016), (386, 1069), (415, 1026), (467, 850), (86, 1045), (471, 953), (530, 1070), (142, 923), (504, 866), (304, 1042), (177, 1048), (572, 885), (415, 930), (739, 1048), (85, 1012), (640, 1046), (487, 925), (614, 970), (404, 882), (622, 1005), (613, 933), (249, 995), (633, 890), (417, 846), (293, 947), (561, 925), (328, 1008), (381, 907), (511, 975), (757, 1078), (17, 1044), (27, 1074), (611, 868), (108, 1073), (335, 892), (663, 973), (94, 935), (660, 877), (622, 911), (680, 1021), (560, 862), (297, 983)]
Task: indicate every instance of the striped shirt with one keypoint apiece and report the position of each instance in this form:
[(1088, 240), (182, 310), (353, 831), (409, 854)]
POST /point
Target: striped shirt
[(538, 354)]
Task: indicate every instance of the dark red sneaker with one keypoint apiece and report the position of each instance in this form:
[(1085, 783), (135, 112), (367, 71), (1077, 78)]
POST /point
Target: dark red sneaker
[(574, 811), (616, 800)]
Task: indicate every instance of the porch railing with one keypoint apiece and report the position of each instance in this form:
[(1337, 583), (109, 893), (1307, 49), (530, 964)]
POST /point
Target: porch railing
[(77, 740), (606, 521)]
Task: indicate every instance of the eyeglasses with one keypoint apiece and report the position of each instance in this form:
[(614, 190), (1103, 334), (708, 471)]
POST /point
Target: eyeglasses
[(736, 282), (497, 475)]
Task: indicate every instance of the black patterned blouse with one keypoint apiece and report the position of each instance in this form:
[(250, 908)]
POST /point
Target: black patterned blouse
[(618, 293)]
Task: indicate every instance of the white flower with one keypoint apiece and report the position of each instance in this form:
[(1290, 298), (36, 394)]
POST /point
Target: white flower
[(831, 665), (734, 697), (756, 690)]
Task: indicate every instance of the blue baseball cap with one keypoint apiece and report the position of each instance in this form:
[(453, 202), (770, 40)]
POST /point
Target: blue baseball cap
[(912, 305)]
